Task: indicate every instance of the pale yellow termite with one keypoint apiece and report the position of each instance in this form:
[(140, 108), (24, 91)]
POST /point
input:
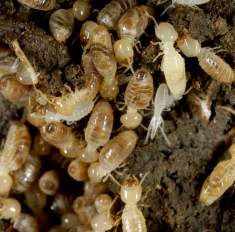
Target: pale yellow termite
[(81, 9), (39, 4), (9, 208), (208, 60), (221, 178)]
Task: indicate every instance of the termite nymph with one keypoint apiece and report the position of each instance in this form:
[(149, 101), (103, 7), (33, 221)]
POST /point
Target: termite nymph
[(113, 11), (212, 64), (97, 134), (61, 25), (40, 146), (114, 152), (138, 94), (102, 203), (39, 4), (221, 178), (9, 208), (130, 28), (49, 182), (81, 9), (78, 170)]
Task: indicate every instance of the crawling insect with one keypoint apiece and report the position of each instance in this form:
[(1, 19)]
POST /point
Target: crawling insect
[(221, 178), (162, 101), (10, 208), (113, 11), (130, 28), (212, 64), (173, 64), (39, 4), (98, 131), (81, 9), (61, 25), (114, 152), (138, 94)]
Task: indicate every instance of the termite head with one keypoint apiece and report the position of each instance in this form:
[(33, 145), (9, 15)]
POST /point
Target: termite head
[(166, 32), (131, 120), (232, 150), (131, 191), (189, 46), (102, 222)]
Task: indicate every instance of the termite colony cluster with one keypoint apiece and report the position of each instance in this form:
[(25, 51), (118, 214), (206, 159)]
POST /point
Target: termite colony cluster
[(95, 155)]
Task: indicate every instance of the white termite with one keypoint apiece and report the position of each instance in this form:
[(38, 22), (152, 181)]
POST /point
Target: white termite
[(162, 101), (173, 64)]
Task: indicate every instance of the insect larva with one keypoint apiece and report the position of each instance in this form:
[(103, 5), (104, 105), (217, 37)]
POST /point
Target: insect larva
[(212, 64), (14, 154), (173, 64), (114, 152), (15, 92), (49, 182), (98, 131), (61, 136), (61, 25), (78, 170), (81, 10), (101, 49), (221, 178), (40, 146), (138, 94), (39, 4), (9, 207), (27, 174), (113, 11)]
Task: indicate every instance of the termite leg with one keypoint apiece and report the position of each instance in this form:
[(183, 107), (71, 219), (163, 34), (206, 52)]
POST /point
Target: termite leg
[(161, 53), (142, 180)]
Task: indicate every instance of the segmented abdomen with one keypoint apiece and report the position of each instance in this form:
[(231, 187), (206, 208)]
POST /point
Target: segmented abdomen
[(215, 66), (133, 219), (39, 4), (191, 2), (112, 12)]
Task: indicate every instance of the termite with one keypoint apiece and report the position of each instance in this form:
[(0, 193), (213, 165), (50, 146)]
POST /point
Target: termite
[(81, 9), (102, 203), (78, 170), (113, 11), (173, 64), (39, 4), (61, 25), (15, 151), (221, 178), (212, 64), (40, 146), (130, 28), (98, 131), (114, 152), (9, 208), (138, 94), (101, 49)]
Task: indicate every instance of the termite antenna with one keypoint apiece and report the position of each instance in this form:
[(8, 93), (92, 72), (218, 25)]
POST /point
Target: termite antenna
[(112, 203), (142, 180), (154, 20), (171, 6), (130, 66), (114, 180), (135, 178)]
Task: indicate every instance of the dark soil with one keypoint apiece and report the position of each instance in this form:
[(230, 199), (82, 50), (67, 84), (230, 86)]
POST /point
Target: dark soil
[(177, 171)]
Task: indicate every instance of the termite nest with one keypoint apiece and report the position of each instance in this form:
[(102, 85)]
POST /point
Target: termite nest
[(87, 153)]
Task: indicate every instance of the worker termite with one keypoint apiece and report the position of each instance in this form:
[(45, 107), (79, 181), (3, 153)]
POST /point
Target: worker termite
[(40, 146), (68, 220), (104, 60), (173, 64), (14, 154), (49, 182), (113, 11), (114, 152), (78, 170), (62, 137), (221, 178), (102, 203), (39, 4), (130, 28), (61, 25), (138, 94), (36, 119), (162, 101), (27, 174), (9, 207), (60, 203), (97, 134), (81, 9), (209, 61)]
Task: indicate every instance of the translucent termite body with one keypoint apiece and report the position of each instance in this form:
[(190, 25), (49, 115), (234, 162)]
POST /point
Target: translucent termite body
[(81, 228), (9, 208), (130, 28), (13, 155), (78, 170), (14, 91), (101, 49), (132, 217), (212, 64), (102, 203), (221, 178), (173, 64), (40, 146), (86, 32), (61, 136), (61, 25), (27, 174), (114, 152), (60, 203), (49, 182), (81, 9), (162, 101), (68, 220), (113, 11), (98, 131), (138, 94), (39, 4)]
